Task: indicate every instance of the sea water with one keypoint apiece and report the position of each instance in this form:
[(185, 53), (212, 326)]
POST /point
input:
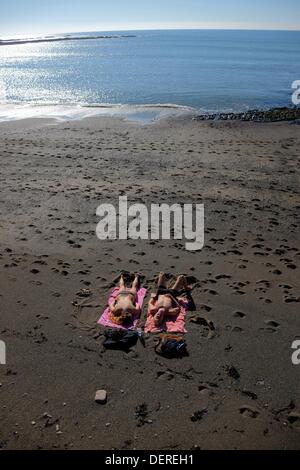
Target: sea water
[(149, 75)]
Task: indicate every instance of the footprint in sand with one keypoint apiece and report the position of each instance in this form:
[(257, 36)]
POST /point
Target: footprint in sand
[(222, 276), (291, 266), (238, 314), (164, 375), (249, 394), (35, 271), (236, 329), (232, 372), (290, 300), (205, 307), (294, 420), (272, 323), (271, 326), (198, 415), (249, 412)]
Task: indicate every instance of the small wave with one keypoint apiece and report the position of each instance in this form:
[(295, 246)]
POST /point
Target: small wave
[(65, 112)]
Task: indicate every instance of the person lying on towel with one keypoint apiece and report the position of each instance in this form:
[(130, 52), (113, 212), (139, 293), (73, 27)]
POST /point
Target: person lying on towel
[(125, 305), (164, 302)]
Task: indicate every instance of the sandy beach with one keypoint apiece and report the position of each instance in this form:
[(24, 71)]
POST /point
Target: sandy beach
[(235, 390)]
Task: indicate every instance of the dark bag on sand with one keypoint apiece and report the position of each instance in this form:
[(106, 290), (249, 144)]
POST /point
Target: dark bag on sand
[(120, 339), (171, 346)]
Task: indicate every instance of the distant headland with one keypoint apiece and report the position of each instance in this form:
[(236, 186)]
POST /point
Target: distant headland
[(9, 42)]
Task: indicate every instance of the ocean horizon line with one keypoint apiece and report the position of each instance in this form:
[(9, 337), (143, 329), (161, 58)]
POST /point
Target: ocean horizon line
[(58, 33)]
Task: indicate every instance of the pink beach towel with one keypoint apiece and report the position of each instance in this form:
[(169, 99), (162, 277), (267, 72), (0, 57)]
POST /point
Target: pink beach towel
[(105, 321), (171, 324)]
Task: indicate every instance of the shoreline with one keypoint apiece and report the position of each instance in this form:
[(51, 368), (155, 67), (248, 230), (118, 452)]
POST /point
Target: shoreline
[(146, 113)]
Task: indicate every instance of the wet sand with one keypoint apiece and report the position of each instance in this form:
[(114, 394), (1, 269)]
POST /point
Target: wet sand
[(236, 390)]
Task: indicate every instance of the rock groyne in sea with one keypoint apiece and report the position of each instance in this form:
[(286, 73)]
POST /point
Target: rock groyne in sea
[(255, 115)]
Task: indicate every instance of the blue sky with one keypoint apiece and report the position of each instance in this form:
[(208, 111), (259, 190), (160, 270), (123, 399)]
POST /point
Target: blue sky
[(37, 16)]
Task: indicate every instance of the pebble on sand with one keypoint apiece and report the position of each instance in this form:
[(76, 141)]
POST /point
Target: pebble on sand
[(101, 397)]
